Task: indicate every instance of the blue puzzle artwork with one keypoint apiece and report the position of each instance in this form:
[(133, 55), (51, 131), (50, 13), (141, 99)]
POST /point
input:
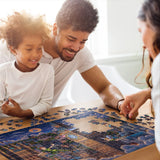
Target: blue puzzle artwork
[(83, 134)]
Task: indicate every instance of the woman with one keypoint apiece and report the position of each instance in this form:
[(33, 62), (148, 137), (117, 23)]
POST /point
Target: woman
[(149, 27)]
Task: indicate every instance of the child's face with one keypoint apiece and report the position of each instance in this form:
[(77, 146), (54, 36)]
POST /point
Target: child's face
[(28, 53), (147, 37)]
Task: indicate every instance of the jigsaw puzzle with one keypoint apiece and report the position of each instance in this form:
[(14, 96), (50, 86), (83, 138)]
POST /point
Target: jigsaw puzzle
[(81, 133)]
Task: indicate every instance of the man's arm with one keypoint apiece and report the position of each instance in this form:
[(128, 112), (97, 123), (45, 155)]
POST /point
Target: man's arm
[(110, 94)]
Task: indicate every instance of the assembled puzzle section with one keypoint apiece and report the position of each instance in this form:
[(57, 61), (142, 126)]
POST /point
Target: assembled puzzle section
[(80, 133)]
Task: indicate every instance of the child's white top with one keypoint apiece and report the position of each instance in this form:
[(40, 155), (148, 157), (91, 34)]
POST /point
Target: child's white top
[(82, 62), (31, 90), (156, 97)]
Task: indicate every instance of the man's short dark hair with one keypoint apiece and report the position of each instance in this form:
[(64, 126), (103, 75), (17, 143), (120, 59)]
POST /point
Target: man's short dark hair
[(80, 15)]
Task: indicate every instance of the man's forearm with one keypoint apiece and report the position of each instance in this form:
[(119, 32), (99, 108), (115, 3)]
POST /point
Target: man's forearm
[(111, 96)]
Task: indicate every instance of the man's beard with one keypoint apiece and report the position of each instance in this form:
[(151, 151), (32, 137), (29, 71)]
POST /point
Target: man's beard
[(66, 59)]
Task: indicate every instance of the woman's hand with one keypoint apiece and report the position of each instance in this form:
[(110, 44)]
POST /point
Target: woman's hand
[(131, 104)]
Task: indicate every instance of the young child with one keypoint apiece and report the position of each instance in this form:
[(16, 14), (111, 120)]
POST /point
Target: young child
[(149, 27), (26, 86)]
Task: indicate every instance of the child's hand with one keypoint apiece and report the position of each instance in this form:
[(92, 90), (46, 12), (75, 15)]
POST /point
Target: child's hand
[(12, 110)]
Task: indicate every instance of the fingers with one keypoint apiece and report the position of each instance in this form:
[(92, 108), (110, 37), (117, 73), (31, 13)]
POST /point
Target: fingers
[(128, 109), (9, 106), (13, 102), (125, 108), (4, 105), (133, 113), (5, 108)]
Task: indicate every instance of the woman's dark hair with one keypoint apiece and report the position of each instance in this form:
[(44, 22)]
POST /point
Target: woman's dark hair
[(150, 13)]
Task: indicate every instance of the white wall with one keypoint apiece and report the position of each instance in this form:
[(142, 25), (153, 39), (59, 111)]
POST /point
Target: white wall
[(124, 41), (123, 36)]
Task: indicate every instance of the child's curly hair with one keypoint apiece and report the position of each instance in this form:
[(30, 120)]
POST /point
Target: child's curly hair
[(20, 24)]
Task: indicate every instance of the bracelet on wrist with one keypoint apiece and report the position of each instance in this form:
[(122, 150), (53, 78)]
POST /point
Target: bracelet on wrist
[(118, 104)]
